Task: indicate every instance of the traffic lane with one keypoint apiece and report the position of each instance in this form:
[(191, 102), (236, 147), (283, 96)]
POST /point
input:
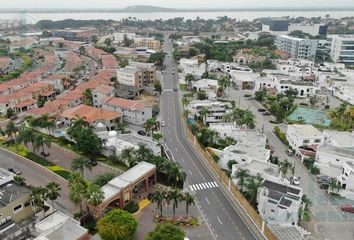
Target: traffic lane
[(36, 175)]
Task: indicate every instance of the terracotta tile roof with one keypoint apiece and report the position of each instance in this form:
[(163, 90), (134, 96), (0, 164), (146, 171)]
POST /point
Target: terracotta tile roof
[(91, 114), (25, 103), (69, 96), (104, 89), (42, 111), (4, 61), (125, 103), (56, 76), (48, 93), (72, 61)]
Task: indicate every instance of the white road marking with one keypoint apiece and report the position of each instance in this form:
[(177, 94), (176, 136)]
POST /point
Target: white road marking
[(219, 220), (201, 186), (216, 185), (191, 187), (182, 159), (190, 172), (196, 186), (207, 200), (176, 149), (204, 186)]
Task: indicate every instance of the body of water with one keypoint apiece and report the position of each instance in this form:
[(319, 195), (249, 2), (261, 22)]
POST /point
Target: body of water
[(240, 15)]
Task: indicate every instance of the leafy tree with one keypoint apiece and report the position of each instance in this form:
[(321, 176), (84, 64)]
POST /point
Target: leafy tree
[(152, 124), (189, 200), (87, 142), (81, 163), (204, 112), (157, 58), (260, 95), (157, 86), (166, 231), (94, 39), (231, 163), (117, 225), (82, 50), (108, 42), (192, 52), (53, 192), (284, 167), (39, 141), (242, 175), (175, 196), (224, 83), (123, 63), (9, 113), (88, 97), (11, 130), (103, 179), (94, 195), (143, 153), (201, 95), (158, 197), (129, 157)]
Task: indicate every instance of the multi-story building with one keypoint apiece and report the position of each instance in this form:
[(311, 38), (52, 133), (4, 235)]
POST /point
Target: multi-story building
[(130, 76), (82, 35), (342, 49), (134, 112), (217, 110), (303, 135), (15, 203), (279, 203), (101, 93), (147, 42), (148, 71), (209, 86), (346, 180), (297, 47)]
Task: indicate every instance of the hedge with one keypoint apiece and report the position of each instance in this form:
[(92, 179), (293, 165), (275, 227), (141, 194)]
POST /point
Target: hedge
[(281, 135)]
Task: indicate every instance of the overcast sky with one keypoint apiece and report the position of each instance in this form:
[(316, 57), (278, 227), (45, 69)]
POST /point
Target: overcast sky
[(174, 3)]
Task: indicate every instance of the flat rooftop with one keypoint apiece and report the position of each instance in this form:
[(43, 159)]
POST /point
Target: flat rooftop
[(342, 138), (10, 192), (339, 151), (251, 151), (261, 167), (281, 188)]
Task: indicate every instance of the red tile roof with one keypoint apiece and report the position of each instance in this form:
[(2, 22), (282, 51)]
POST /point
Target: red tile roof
[(125, 103)]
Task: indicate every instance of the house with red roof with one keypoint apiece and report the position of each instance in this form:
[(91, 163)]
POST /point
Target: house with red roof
[(134, 112), (92, 115), (100, 93)]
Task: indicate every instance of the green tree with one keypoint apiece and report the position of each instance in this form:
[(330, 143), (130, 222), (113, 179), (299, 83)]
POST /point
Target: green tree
[(103, 179), (82, 50), (117, 225), (334, 186), (108, 42), (94, 195), (157, 86), (151, 125), (143, 153), (252, 190), (204, 112), (224, 83), (166, 231), (189, 78), (81, 164), (175, 173), (25, 136), (53, 192), (158, 197), (242, 175), (38, 197), (231, 163), (260, 95), (88, 97), (87, 142), (94, 39), (39, 141), (11, 130), (129, 157), (189, 200), (157, 58), (284, 167), (123, 63), (77, 189), (175, 196)]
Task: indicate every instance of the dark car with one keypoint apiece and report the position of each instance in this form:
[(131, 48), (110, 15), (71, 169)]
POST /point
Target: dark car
[(261, 110), (267, 114), (93, 162), (175, 89), (15, 170), (142, 133), (13, 118)]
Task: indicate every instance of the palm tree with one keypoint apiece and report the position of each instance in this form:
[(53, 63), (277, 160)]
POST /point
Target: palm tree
[(175, 173), (25, 136), (249, 119), (158, 198), (143, 153), (224, 83), (122, 125), (39, 141), (38, 197), (76, 124), (11, 130), (94, 195), (252, 190), (189, 199), (53, 192), (81, 163), (77, 189), (204, 113), (175, 196), (128, 156), (333, 185), (304, 211), (284, 167), (152, 124), (242, 175)]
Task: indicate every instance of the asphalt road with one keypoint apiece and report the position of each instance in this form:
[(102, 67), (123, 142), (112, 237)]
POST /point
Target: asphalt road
[(224, 221)]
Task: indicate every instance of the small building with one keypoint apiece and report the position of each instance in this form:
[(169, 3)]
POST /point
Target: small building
[(217, 110), (279, 203), (125, 187), (334, 156), (303, 135), (59, 226), (100, 93), (209, 86), (338, 138)]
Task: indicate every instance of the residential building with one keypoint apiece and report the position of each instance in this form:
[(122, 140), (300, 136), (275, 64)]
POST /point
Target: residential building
[(148, 71), (100, 93), (147, 42), (334, 156), (119, 37), (241, 153), (275, 25), (279, 203), (342, 49), (297, 47), (246, 56), (246, 136), (217, 110), (82, 35), (134, 112), (15, 203), (58, 226), (209, 86), (130, 76), (346, 180), (304, 89), (93, 115), (338, 138), (244, 81), (57, 80), (303, 135), (288, 231)]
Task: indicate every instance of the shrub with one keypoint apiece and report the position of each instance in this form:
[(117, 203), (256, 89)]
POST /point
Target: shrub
[(131, 207), (281, 135), (63, 174), (315, 170)]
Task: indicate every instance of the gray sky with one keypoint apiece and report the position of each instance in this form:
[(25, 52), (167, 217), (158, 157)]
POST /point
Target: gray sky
[(173, 3)]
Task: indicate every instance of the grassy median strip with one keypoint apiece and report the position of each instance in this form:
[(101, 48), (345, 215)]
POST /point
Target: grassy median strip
[(24, 152)]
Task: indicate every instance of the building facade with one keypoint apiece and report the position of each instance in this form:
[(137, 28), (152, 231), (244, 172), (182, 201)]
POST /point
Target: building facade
[(342, 49), (297, 47)]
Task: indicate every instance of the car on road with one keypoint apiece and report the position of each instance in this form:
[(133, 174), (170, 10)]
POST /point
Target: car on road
[(15, 170), (12, 118), (175, 89), (163, 124), (142, 133), (267, 114), (295, 181), (289, 152), (261, 110), (324, 179), (93, 162), (19, 121)]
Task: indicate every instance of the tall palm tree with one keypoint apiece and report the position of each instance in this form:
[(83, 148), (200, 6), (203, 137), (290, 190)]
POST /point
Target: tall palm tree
[(53, 192), (152, 124), (333, 185), (224, 83), (128, 156), (252, 190), (38, 197), (242, 175), (11, 130), (76, 124), (94, 195), (204, 112), (143, 153), (284, 167), (25, 136), (175, 196), (175, 173), (39, 141), (81, 163), (158, 198), (189, 199), (77, 189), (249, 119)]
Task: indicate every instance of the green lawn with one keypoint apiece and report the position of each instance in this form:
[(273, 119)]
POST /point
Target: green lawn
[(183, 87)]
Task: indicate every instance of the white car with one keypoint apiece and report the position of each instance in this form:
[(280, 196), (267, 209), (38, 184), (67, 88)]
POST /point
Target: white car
[(295, 181), (163, 124)]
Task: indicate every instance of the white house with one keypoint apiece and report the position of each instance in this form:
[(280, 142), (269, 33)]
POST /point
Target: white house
[(210, 86), (191, 66), (279, 203), (246, 136), (134, 112), (346, 180), (241, 153), (217, 110), (100, 93), (334, 156), (338, 138), (303, 135), (130, 76)]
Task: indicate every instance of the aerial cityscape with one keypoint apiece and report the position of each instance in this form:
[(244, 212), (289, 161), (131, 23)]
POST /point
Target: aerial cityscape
[(166, 120)]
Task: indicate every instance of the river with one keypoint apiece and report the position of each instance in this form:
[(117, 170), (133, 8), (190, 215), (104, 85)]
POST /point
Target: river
[(239, 15)]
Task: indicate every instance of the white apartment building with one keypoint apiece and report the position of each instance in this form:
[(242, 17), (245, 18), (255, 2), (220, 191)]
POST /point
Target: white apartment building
[(346, 180), (217, 110), (134, 112), (191, 66), (342, 48), (210, 87), (334, 156), (246, 136), (279, 203), (338, 138), (130, 76), (304, 88), (118, 37), (303, 135), (297, 47)]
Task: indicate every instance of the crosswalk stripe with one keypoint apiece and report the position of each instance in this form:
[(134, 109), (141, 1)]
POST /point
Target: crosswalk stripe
[(196, 186), (191, 187), (204, 185), (216, 184), (201, 187), (212, 184), (209, 185)]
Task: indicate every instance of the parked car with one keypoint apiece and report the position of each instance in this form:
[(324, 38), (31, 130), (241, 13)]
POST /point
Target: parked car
[(324, 179), (163, 124), (295, 181), (289, 152), (15, 170), (261, 110), (267, 114), (13, 118), (93, 162), (142, 133), (175, 89)]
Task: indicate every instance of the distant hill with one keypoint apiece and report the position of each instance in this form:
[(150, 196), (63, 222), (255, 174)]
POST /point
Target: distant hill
[(145, 8)]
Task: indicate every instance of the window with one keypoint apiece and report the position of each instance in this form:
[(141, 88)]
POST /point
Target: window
[(337, 160), (306, 141), (18, 208), (272, 210), (317, 140)]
